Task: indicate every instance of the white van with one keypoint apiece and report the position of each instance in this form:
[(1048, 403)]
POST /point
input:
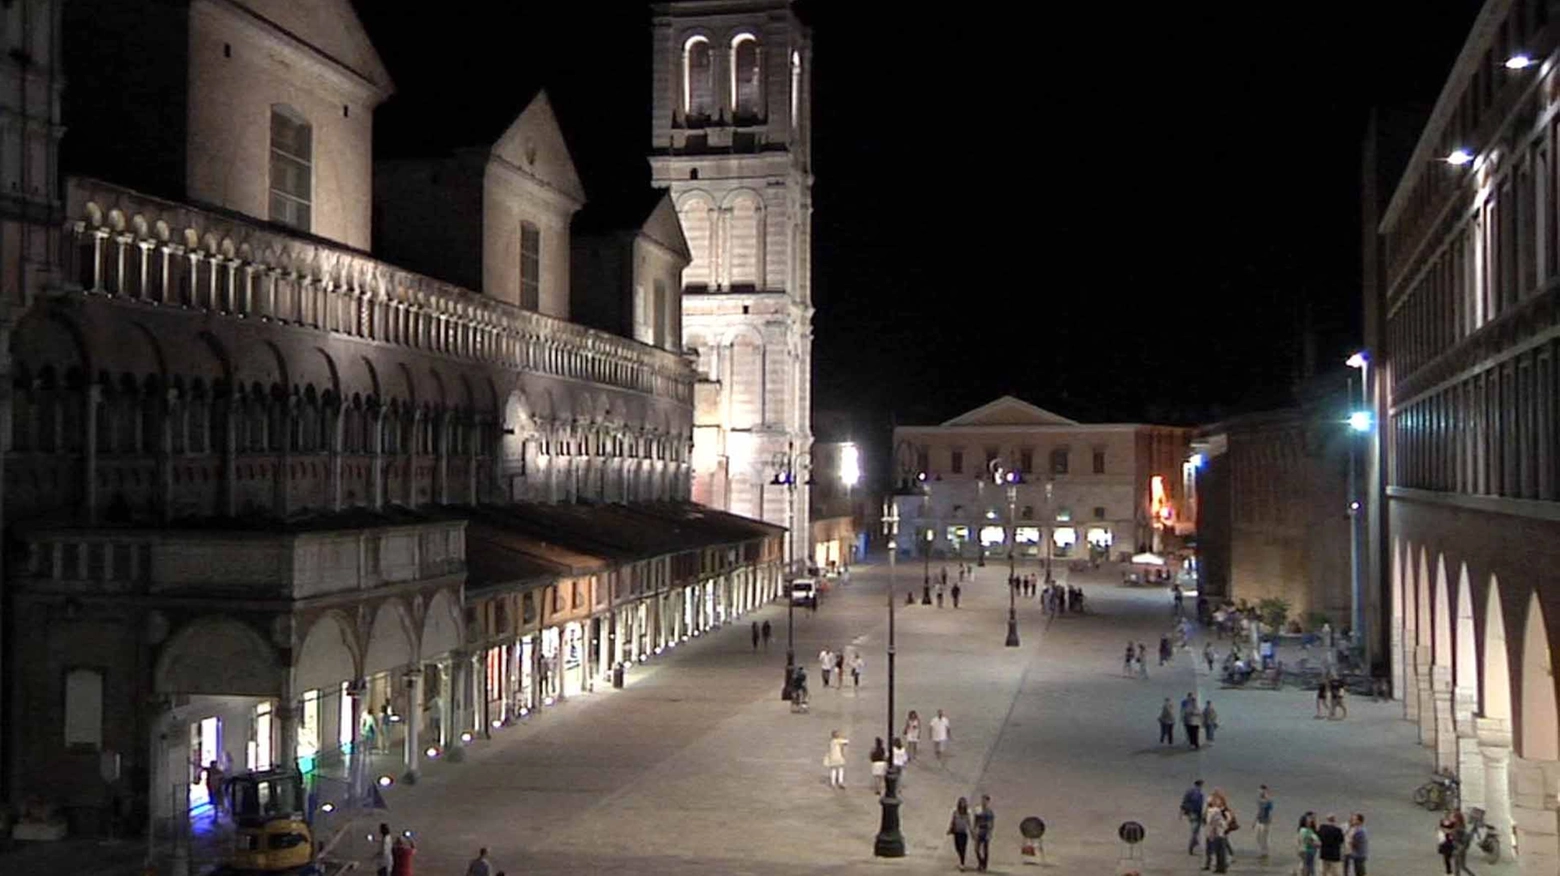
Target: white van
[(803, 591)]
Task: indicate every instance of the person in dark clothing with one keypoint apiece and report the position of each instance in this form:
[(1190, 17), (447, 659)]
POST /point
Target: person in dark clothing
[(955, 592), (765, 631), (755, 635), (1331, 852), (985, 825)]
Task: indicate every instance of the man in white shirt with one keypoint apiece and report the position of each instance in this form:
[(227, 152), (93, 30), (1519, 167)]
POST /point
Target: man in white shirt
[(825, 665), (940, 733)]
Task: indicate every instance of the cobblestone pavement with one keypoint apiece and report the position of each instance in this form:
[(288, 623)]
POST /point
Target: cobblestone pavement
[(698, 767)]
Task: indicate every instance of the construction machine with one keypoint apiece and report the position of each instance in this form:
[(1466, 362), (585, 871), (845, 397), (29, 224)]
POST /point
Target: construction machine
[(272, 831)]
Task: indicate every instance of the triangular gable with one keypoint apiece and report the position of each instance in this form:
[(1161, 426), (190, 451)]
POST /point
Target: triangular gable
[(664, 226), (332, 27), (534, 143), (1010, 411)]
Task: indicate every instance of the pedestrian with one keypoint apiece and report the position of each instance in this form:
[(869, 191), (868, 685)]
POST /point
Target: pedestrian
[(959, 828), (1306, 844), (1339, 709), (1264, 822), (1210, 720), (1348, 847), (913, 734), (1464, 838), (766, 632), (1140, 663), (214, 777), (401, 856), (1126, 662), (1192, 809), (1179, 596), (480, 866), (839, 668), (1208, 654), (755, 636), (939, 595), (1217, 821), (1191, 719), (1359, 844), (857, 664), (897, 756), (1164, 649), (955, 593), (382, 853), (985, 825), (879, 759), (1449, 831), (1330, 839), (1167, 723), (825, 665), (1321, 698), (940, 734), (835, 759)]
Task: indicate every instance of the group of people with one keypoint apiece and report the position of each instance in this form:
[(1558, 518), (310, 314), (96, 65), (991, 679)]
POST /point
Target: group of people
[(1342, 850), (979, 823), (904, 749), (1195, 720), (1330, 698), (393, 855), (1056, 599), (761, 632), (1455, 835), (833, 665)]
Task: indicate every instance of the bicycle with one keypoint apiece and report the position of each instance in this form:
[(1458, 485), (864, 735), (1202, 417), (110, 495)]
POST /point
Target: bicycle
[(1439, 793), (1483, 836)]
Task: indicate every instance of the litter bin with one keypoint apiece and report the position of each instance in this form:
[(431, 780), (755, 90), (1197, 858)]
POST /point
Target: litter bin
[(617, 675)]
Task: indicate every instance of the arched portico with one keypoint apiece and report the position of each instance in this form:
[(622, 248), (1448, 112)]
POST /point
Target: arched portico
[(1445, 732), (1465, 695), (1535, 771)]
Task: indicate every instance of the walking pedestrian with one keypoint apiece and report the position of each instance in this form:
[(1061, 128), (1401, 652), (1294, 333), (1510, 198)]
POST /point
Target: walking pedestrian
[(1217, 820), (401, 853), (1464, 838), (913, 734), (985, 825), (1191, 719), (1330, 839), (955, 593), (383, 859), (1210, 720), (839, 668), (857, 664), (1140, 663), (1126, 662), (755, 636), (1264, 822), (1449, 832), (940, 734), (1164, 649), (1306, 844), (879, 759), (480, 865), (959, 828), (939, 595), (825, 665), (1339, 709), (1359, 844), (765, 629), (1192, 809), (834, 760), (1167, 723), (1208, 654), (1321, 698), (214, 777)]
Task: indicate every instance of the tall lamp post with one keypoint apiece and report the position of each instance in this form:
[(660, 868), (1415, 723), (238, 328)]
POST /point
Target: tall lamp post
[(1011, 479), (890, 842), (785, 466), (1360, 423)]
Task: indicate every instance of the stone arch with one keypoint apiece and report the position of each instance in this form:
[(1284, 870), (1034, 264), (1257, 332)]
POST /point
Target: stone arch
[(1400, 619), (696, 212), (1497, 661), (1540, 720), (1467, 666), (1423, 593), (390, 642), (1443, 616), (327, 656), (743, 238), (218, 656), (441, 626)]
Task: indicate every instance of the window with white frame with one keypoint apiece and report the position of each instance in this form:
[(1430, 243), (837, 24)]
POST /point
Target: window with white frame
[(292, 168)]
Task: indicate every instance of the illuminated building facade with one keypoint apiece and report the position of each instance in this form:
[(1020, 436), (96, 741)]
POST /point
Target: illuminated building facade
[(1462, 279), (1086, 488), (731, 137)]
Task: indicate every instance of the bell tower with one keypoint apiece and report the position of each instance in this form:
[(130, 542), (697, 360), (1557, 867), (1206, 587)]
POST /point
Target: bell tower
[(731, 137)]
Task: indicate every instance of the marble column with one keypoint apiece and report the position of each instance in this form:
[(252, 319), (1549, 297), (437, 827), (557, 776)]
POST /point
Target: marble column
[(414, 718), (1470, 763), (1445, 734), (1534, 813), (1494, 738), (1423, 671)]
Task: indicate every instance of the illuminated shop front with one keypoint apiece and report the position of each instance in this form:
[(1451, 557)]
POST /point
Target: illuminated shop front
[(1064, 538), (992, 535)]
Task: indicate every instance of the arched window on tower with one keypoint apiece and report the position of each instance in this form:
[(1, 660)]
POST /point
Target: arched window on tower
[(698, 81), (699, 231), (796, 89), (747, 79)]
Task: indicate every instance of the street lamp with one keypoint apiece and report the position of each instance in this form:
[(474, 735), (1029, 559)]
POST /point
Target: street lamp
[(1013, 481), (1361, 421), (1519, 61), (785, 465), (890, 841)]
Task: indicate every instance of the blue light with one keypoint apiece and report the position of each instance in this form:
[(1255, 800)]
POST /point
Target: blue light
[(1196, 460), (1360, 421)]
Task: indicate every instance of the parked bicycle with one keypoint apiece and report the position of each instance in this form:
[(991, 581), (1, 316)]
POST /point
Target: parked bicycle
[(1441, 792), (1483, 836)]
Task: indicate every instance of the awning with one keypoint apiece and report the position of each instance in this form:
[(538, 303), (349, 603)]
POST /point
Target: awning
[(1148, 560)]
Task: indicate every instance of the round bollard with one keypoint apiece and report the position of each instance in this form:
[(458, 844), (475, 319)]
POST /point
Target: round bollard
[(1032, 829), (1130, 832)]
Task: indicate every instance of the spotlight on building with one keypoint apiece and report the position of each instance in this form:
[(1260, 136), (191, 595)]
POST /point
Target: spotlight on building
[(1358, 360), (1359, 421), (1518, 61), (1458, 157)]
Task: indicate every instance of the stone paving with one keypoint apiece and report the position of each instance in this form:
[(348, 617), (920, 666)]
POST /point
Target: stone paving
[(698, 767)]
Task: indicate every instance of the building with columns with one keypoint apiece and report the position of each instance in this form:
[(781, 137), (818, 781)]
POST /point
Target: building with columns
[(731, 137), (252, 456), (1461, 291)]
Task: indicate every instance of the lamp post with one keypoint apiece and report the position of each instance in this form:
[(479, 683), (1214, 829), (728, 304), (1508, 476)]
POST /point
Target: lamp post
[(1011, 479), (785, 465), (1360, 422), (890, 842)]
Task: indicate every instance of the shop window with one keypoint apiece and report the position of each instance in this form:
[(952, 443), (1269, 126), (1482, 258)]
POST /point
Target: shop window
[(991, 456), (84, 708)]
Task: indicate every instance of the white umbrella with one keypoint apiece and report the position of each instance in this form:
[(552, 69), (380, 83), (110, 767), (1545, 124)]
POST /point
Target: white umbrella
[(1148, 560)]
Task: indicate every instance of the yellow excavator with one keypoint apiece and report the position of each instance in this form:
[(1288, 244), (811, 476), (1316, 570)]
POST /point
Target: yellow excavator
[(272, 834)]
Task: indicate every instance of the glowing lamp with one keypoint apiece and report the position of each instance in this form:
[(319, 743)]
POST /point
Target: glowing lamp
[(497, 723), (432, 752), (1358, 360), (1459, 157), (386, 781), (1518, 62), (1354, 506), (465, 737), (327, 807), (1360, 421)]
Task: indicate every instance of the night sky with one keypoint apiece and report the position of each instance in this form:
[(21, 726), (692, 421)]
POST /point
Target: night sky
[(1119, 211)]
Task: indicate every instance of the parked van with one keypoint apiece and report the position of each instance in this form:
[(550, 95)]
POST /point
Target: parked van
[(804, 591)]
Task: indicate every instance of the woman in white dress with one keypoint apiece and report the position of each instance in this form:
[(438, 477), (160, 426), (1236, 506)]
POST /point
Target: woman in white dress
[(835, 759), (912, 733)]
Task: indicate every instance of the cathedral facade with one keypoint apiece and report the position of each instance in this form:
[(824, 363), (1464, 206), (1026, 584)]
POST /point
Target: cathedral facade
[(731, 138)]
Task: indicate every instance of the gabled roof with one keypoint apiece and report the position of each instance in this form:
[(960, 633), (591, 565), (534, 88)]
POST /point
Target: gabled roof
[(1010, 411), (533, 142), (330, 27), (647, 211)]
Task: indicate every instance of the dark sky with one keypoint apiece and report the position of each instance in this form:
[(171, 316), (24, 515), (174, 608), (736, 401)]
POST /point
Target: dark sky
[(1120, 211)]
